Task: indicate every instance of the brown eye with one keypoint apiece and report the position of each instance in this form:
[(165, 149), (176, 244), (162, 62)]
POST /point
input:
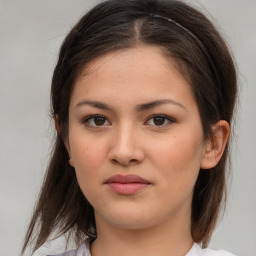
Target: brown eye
[(99, 120), (159, 120), (96, 120)]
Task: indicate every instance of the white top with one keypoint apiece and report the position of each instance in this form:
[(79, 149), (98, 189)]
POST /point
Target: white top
[(84, 250)]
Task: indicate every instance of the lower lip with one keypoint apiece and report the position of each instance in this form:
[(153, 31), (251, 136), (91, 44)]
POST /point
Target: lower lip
[(127, 188)]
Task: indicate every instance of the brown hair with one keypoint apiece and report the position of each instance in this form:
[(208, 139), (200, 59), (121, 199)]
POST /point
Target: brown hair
[(189, 38)]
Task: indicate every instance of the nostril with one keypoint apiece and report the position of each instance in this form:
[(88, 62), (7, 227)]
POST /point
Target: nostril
[(124, 162), (114, 161)]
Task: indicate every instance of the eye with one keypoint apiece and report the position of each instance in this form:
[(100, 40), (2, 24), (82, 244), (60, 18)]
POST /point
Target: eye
[(160, 120), (96, 120)]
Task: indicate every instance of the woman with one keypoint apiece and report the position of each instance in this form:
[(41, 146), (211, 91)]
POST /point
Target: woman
[(142, 97)]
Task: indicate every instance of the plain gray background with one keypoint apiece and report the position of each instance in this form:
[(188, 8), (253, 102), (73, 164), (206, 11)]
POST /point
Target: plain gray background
[(31, 32)]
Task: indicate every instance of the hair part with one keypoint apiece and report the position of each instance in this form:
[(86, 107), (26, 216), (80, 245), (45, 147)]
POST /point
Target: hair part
[(203, 59)]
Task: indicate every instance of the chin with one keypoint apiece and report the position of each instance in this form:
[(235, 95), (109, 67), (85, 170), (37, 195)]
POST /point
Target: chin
[(132, 225), (132, 221)]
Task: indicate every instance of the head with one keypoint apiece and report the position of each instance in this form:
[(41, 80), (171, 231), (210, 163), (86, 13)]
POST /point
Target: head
[(195, 49)]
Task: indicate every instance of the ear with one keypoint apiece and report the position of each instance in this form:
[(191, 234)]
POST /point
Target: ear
[(57, 124), (215, 147), (58, 129)]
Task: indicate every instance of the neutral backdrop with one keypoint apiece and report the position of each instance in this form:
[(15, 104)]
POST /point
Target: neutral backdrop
[(31, 32)]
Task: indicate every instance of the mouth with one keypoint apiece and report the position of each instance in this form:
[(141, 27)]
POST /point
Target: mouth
[(126, 184)]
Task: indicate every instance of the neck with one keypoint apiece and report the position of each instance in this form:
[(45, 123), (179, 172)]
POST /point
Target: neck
[(162, 239)]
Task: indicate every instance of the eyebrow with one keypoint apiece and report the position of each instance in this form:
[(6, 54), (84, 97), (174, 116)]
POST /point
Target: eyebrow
[(139, 108), (153, 104)]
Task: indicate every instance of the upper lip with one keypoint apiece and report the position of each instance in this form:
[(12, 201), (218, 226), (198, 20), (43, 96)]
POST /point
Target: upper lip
[(130, 178)]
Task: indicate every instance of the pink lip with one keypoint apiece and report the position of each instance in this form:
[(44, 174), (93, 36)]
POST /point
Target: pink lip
[(126, 184)]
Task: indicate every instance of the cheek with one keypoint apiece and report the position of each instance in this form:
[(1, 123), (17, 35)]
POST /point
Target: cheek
[(88, 156), (179, 159), (183, 150)]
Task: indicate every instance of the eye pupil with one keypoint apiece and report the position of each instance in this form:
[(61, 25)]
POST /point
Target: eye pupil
[(159, 120), (99, 120)]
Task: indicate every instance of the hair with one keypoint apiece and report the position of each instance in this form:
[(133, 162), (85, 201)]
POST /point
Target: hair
[(186, 36)]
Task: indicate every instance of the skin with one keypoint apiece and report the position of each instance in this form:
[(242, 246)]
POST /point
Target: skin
[(156, 219)]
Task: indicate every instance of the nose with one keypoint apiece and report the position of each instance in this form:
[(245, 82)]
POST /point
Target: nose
[(126, 147)]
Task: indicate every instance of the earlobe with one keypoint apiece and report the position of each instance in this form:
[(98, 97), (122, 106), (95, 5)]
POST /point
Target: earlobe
[(71, 162), (58, 129), (216, 145), (57, 124)]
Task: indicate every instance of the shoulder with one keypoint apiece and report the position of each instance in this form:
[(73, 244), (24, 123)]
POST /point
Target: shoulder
[(68, 253), (197, 251), (210, 252), (83, 250)]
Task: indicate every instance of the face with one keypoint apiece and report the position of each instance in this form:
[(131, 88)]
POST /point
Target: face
[(136, 138)]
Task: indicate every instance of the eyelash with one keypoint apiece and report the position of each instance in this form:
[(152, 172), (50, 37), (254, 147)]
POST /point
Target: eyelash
[(167, 118), (91, 117)]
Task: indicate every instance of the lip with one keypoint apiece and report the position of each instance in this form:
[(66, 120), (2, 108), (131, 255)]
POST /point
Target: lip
[(126, 184), (130, 178)]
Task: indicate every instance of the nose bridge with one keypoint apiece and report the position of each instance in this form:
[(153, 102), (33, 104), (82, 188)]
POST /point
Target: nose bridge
[(125, 145)]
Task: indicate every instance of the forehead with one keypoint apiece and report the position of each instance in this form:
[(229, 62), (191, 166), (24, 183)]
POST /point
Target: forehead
[(148, 56), (142, 72)]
